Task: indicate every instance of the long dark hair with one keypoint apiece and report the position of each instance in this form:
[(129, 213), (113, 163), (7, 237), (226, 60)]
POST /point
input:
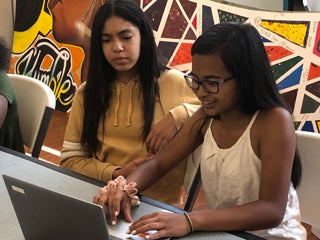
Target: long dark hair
[(101, 75), (244, 55)]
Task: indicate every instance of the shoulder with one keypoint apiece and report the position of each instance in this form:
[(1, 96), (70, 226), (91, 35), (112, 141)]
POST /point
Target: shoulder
[(274, 121), (277, 114), (80, 90), (78, 98), (81, 87), (173, 73), (171, 78), (273, 128)]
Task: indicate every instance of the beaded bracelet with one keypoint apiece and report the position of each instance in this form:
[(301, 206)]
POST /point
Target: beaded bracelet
[(189, 221), (120, 183)]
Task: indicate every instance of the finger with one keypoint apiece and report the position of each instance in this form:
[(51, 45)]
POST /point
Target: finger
[(163, 144), (96, 199), (156, 147), (148, 140), (127, 213), (156, 235), (145, 159), (141, 221), (146, 226), (114, 206), (151, 141), (152, 144), (112, 217), (102, 201)]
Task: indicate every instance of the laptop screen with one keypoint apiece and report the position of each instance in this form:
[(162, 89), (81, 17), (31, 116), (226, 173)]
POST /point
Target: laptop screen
[(45, 214)]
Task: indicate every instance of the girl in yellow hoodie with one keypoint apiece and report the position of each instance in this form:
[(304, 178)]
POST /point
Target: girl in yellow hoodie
[(130, 106)]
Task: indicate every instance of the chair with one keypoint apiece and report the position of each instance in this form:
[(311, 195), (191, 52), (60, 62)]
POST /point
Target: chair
[(36, 103), (192, 179), (308, 192)]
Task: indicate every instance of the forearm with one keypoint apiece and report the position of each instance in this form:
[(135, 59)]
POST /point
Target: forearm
[(90, 167), (145, 175), (248, 217), (171, 155)]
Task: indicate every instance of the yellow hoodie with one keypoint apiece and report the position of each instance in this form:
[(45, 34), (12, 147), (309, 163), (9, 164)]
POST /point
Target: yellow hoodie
[(121, 136)]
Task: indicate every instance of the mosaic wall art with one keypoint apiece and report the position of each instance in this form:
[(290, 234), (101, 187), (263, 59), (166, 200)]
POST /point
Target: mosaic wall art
[(53, 52), (292, 41)]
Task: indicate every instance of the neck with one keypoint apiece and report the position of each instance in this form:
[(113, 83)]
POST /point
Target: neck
[(127, 76)]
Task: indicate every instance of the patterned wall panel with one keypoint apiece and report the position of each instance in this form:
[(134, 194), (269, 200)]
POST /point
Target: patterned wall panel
[(292, 41)]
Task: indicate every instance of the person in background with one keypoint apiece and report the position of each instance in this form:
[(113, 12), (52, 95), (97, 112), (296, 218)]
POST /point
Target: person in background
[(249, 163), (10, 135), (130, 106)]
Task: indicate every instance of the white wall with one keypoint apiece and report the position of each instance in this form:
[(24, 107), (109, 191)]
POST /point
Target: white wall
[(7, 9), (276, 5), (313, 5)]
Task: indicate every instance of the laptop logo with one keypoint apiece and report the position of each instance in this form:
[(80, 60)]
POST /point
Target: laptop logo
[(17, 189)]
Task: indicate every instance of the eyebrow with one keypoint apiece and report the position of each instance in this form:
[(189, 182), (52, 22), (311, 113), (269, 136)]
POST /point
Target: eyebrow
[(119, 33), (205, 77)]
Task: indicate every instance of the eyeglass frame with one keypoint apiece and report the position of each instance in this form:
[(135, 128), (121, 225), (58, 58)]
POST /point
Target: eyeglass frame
[(217, 83)]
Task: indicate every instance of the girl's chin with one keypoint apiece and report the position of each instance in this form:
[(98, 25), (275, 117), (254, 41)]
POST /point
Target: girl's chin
[(209, 111)]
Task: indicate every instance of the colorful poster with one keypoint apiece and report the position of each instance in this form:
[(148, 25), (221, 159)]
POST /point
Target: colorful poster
[(51, 42), (47, 45)]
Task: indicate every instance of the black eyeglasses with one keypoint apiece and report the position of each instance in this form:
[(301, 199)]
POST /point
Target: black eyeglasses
[(210, 86)]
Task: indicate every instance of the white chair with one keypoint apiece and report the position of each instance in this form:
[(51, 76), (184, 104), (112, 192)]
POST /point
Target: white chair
[(36, 103), (192, 179), (309, 192)]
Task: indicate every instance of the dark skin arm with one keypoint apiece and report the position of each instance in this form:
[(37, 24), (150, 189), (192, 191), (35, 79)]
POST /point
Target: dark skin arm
[(275, 146), (130, 167), (161, 134), (273, 143), (150, 171)]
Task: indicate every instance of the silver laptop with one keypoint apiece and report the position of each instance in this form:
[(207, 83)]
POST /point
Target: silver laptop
[(45, 214)]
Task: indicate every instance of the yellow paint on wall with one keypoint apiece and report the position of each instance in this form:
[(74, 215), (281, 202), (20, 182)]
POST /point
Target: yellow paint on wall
[(23, 40), (294, 32)]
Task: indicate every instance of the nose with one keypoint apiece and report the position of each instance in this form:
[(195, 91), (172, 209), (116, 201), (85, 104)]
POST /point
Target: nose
[(201, 92), (117, 46)]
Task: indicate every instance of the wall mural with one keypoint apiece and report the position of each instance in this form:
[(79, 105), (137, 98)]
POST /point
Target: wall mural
[(53, 45)]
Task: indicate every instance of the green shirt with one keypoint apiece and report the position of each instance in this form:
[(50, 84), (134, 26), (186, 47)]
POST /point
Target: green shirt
[(10, 135)]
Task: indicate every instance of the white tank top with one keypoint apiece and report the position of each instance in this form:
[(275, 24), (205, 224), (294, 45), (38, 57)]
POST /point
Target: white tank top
[(232, 177)]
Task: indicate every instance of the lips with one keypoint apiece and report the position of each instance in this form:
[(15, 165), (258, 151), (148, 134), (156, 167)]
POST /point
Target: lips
[(120, 60), (207, 104)]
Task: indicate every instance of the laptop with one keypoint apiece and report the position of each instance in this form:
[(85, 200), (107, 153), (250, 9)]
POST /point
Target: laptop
[(45, 214)]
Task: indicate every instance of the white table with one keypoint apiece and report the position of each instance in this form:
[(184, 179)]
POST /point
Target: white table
[(63, 181)]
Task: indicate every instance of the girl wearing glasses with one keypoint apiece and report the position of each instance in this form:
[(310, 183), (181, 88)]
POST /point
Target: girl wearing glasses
[(249, 163), (130, 106)]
